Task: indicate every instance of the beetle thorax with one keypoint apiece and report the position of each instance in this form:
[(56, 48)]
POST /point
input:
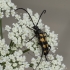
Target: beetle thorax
[(36, 28)]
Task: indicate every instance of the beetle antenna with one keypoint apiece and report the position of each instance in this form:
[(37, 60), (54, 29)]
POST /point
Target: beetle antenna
[(44, 11), (28, 14)]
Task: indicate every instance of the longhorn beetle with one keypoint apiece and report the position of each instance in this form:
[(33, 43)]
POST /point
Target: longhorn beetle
[(40, 35)]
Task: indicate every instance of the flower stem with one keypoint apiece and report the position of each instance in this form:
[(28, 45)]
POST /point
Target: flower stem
[(31, 65), (11, 43), (26, 50), (1, 29)]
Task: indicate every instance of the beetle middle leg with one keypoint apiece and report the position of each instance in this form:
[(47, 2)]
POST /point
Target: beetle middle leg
[(31, 39), (33, 36)]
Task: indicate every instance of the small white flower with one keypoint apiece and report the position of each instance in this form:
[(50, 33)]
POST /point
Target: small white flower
[(13, 13), (30, 11), (1, 15), (26, 64), (14, 30), (8, 28), (54, 62), (50, 57), (17, 16), (19, 40), (59, 58), (47, 29), (7, 13), (14, 64), (11, 35), (36, 15), (63, 66), (5, 7)]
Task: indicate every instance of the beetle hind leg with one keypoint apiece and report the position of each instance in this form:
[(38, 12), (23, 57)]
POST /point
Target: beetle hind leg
[(46, 58), (40, 59)]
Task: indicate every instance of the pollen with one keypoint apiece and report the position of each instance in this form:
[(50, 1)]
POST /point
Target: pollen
[(47, 45), (44, 46), (42, 40), (44, 51), (44, 34), (41, 35)]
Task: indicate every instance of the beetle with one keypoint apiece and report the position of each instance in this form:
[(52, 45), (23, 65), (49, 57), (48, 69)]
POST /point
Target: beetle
[(41, 35)]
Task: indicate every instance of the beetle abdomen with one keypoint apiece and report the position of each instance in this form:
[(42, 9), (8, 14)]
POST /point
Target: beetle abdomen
[(43, 43)]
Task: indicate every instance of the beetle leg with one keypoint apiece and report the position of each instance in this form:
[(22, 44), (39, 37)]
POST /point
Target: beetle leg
[(29, 27), (31, 39), (49, 46), (42, 53), (45, 58), (40, 59), (46, 34)]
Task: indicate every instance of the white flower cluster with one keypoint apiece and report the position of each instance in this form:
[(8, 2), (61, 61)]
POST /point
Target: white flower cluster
[(7, 7), (11, 61), (3, 48), (52, 64), (22, 32)]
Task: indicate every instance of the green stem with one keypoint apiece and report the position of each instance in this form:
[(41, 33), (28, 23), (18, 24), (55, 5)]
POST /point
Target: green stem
[(26, 50), (1, 29), (31, 65), (11, 43)]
